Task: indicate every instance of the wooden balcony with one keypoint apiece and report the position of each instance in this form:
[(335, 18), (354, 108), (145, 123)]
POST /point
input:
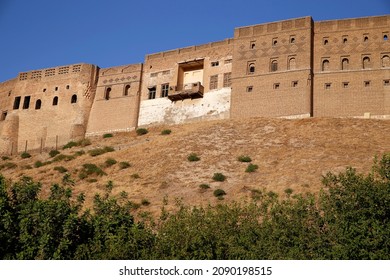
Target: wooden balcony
[(187, 91)]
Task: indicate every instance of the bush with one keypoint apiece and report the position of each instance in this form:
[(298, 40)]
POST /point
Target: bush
[(219, 177), (100, 151), (53, 153), (166, 132), (124, 165), (8, 165), (79, 153), (60, 169), (5, 158), (107, 135), (244, 159), (91, 169), (25, 155), (84, 142), (145, 202), (135, 176), (219, 193), (69, 145), (251, 168), (141, 131), (204, 186), (193, 157), (288, 191), (110, 162), (38, 164), (61, 157)]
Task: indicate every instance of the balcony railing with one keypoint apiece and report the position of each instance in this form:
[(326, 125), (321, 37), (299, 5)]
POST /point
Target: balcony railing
[(186, 91)]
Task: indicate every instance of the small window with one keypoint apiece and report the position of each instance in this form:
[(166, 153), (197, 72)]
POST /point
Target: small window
[(274, 65), (227, 79), (344, 64), (386, 83), (67, 87), (17, 102), (38, 104), (127, 89), (328, 85), (26, 102), (164, 90), (274, 42), (73, 99), (292, 39), (365, 38), (214, 82), (251, 67), (55, 101), (325, 65), (252, 45), (3, 115), (345, 84), (291, 63), (107, 93), (366, 62), (367, 83), (249, 88), (152, 93), (228, 61), (44, 90), (294, 83), (9, 93), (56, 88), (325, 41), (385, 37), (276, 85), (214, 63), (385, 61)]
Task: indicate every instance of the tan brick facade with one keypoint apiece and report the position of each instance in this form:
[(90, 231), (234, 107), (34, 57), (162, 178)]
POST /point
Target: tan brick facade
[(293, 68)]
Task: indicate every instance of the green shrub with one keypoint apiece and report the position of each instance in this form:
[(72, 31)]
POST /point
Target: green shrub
[(219, 177), (219, 193), (204, 186), (256, 194), (166, 132), (100, 151), (135, 176), (63, 157), (53, 153), (107, 135), (145, 202), (79, 153), (244, 159), (5, 158), (83, 143), (124, 165), (8, 165), (193, 157), (69, 145), (251, 168), (60, 169), (38, 164), (141, 131), (110, 162), (25, 155), (288, 191), (91, 169)]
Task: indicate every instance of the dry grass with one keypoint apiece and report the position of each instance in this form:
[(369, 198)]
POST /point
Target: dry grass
[(290, 154)]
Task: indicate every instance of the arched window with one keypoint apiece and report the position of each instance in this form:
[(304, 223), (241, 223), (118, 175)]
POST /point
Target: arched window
[(127, 89), (107, 93), (385, 37), (251, 68), (366, 62), (38, 104), (291, 63), (55, 101), (325, 65), (274, 65), (73, 99), (385, 61), (344, 64)]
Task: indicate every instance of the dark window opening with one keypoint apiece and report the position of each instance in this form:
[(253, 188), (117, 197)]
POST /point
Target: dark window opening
[(345, 84), (44, 90), (365, 39), (17, 102), (328, 85), (249, 89), (107, 93), (127, 89), (326, 42), (73, 99), (385, 37), (292, 40), (274, 42), (253, 44), (3, 116), (38, 104), (294, 83), (251, 68), (367, 83), (386, 83), (67, 87), (55, 101), (214, 63), (152, 92), (276, 86), (56, 88), (26, 102), (164, 90)]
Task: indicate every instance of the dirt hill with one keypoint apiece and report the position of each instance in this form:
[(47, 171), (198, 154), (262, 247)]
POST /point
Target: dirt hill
[(290, 154)]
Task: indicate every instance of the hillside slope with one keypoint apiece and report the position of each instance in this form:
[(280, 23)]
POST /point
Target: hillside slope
[(289, 153)]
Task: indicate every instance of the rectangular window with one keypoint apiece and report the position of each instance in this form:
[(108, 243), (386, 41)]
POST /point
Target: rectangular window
[(249, 89), (386, 83), (276, 85), (294, 83), (164, 90), (26, 102), (17, 102), (227, 79), (252, 45), (214, 63), (228, 61), (214, 82), (328, 85), (367, 83), (345, 84), (152, 92)]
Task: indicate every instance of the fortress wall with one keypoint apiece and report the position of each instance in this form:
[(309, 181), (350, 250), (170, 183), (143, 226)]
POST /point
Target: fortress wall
[(269, 90), (116, 102), (214, 105), (352, 82)]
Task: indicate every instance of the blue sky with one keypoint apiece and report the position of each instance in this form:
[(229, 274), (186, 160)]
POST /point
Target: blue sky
[(47, 33)]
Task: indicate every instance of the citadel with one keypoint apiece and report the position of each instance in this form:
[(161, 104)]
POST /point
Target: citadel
[(294, 68)]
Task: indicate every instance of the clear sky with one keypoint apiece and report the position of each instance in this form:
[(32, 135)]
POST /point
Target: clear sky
[(37, 34)]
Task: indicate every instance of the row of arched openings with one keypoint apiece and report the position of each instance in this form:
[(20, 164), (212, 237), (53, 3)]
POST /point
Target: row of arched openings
[(38, 103), (291, 64), (107, 92), (366, 63)]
